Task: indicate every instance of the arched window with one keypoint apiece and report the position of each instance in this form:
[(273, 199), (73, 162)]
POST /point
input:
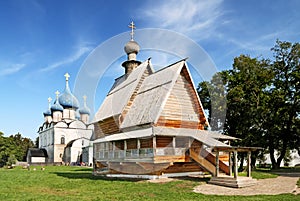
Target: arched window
[(62, 140)]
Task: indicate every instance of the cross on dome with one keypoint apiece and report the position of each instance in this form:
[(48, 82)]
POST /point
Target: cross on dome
[(67, 76), (84, 98), (57, 94), (132, 26), (49, 100)]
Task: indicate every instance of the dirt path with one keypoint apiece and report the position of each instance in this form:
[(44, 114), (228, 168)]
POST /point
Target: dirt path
[(281, 184)]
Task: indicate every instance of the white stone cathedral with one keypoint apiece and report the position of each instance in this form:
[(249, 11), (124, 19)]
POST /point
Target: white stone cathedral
[(65, 135)]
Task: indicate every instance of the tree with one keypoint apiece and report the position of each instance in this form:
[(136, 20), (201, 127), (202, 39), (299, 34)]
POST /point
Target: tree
[(13, 147), (37, 141), (213, 98), (284, 102), (263, 101)]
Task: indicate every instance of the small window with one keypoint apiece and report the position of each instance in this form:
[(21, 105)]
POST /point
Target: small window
[(82, 142), (62, 140)]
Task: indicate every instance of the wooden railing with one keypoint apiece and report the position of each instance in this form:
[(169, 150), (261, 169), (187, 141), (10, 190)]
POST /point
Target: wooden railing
[(140, 153), (211, 158)]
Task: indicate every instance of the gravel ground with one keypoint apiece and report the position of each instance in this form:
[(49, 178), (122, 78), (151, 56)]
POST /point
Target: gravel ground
[(281, 184)]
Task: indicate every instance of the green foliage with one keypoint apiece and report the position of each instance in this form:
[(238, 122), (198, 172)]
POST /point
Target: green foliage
[(263, 101), (75, 183), (13, 148), (11, 160)]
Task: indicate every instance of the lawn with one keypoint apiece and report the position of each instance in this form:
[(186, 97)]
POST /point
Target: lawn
[(76, 183)]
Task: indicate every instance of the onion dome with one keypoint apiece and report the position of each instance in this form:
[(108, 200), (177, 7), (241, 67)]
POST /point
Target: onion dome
[(56, 106), (85, 109), (132, 47), (48, 112), (67, 99)]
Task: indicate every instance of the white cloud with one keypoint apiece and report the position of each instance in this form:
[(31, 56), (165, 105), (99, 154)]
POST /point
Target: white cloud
[(197, 19), (13, 68), (77, 55)]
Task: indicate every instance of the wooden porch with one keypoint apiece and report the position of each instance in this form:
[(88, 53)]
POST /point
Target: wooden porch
[(234, 180)]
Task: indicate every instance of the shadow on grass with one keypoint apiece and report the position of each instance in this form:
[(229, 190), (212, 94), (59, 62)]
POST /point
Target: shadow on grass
[(86, 169), (86, 173), (77, 174), (284, 171), (194, 179)]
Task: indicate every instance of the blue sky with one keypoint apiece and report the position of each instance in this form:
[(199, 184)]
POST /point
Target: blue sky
[(42, 40)]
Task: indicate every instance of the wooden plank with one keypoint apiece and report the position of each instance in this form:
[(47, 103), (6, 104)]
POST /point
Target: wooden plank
[(203, 162), (160, 159), (106, 127), (146, 143), (184, 167), (131, 143), (164, 141), (179, 124)]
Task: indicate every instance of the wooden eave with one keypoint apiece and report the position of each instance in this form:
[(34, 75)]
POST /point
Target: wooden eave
[(238, 149)]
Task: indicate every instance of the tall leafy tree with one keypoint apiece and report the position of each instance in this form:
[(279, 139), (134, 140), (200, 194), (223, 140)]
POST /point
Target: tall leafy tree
[(284, 102), (213, 98), (13, 147), (247, 101), (263, 101)]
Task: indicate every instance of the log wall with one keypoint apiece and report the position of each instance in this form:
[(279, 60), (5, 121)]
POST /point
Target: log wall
[(164, 141), (106, 127)]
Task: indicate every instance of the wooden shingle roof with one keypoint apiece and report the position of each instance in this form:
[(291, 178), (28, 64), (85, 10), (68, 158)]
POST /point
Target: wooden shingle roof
[(120, 93), (152, 95)]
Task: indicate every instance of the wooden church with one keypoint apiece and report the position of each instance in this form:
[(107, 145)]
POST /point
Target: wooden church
[(152, 124)]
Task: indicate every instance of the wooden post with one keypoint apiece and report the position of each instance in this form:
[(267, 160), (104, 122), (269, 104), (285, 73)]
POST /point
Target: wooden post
[(217, 163), (230, 163), (174, 144), (249, 164), (154, 145), (235, 172), (113, 149), (125, 148), (138, 147)]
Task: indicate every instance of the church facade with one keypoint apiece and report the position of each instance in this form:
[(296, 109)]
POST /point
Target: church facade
[(65, 134)]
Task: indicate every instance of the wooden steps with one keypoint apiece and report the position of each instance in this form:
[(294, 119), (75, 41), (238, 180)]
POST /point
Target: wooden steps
[(228, 181), (203, 162)]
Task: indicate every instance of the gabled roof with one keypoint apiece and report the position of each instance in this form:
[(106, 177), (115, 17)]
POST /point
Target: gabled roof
[(121, 92), (152, 96), (35, 152)]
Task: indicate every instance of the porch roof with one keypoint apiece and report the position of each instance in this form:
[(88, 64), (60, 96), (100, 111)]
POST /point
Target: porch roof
[(238, 149), (208, 138)]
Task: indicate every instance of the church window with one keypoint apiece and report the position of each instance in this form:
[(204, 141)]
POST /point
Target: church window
[(62, 140)]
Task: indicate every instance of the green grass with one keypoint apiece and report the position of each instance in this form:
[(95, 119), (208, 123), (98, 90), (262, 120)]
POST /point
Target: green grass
[(260, 174), (76, 183)]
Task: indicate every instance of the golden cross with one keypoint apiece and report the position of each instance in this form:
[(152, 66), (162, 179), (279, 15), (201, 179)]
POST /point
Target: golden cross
[(84, 98), (132, 26), (57, 94), (67, 76)]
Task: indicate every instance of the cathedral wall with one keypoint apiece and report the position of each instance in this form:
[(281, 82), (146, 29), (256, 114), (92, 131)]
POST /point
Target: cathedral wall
[(64, 136), (70, 134)]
